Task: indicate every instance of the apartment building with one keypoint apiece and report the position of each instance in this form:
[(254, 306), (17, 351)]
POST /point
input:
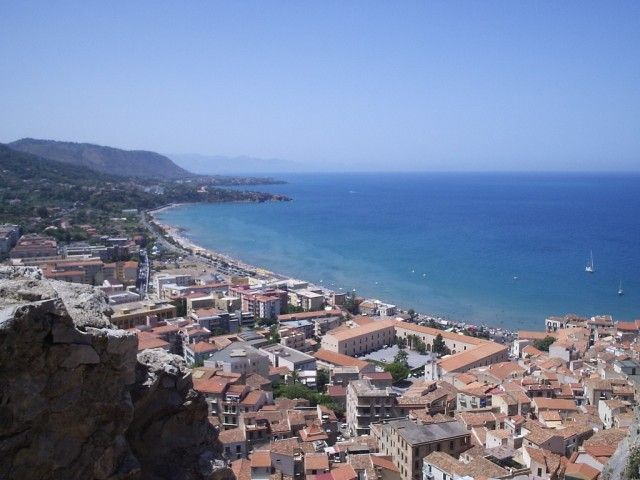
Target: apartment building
[(240, 357), (162, 279), (408, 442), (294, 360), (368, 403), (292, 338), (129, 315), (306, 299), (216, 320), (34, 246), (361, 339)]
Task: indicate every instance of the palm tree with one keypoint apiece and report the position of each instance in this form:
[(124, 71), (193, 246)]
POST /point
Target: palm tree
[(295, 376)]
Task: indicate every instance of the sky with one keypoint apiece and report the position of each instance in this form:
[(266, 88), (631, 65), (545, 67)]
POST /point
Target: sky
[(369, 85)]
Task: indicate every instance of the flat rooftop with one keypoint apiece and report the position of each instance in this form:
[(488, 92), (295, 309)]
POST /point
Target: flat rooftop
[(415, 434)]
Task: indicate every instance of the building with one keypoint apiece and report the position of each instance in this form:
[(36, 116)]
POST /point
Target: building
[(482, 355), (162, 279), (88, 270), (196, 353), (306, 299), (442, 466), (9, 235), (362, 339), (294, 360), (234, 443), (216, 321), (329, 360), (240, 357), (367, 403), (408, 442), (129, 315), (34, 246), (292, 338)]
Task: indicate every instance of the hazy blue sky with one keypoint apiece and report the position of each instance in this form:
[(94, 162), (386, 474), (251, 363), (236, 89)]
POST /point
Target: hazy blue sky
[(373, 85)]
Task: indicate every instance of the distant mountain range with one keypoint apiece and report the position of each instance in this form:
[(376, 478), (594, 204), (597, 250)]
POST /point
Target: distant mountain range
[(242, 165), (131, 163)]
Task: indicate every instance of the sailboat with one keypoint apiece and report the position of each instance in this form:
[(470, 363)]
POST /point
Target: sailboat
[(590, 268), (620, 291)]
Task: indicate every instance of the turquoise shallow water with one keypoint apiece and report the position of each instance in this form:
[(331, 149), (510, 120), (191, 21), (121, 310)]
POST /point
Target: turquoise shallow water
[(469, 234)]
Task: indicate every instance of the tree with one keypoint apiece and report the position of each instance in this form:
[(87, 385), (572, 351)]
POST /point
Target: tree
[(181, 307), (350, 303), (544, 344), (401, 357), (439, 346), (42, 212), (397, 370), (274, 335), (322, 379), (295, 377), (412, 313), (419, 346), (401, 342)]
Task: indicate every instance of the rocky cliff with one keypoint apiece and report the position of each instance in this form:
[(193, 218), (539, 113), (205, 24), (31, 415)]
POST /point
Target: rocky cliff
[(78, 402)]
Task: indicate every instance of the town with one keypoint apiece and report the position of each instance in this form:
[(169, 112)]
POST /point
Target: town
[(305, 382)]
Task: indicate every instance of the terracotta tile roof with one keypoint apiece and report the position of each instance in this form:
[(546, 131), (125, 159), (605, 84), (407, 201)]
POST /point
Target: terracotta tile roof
[(362, 330), (339, 359), (344, 472), (581, 471), (313, 433), (234, 435), (213, 385), (551, 461), (261, 459), (362, 320), (336, 391), (530, 335), (384, 462), (610, 436), (288, 446), (148, 340), (465, 377), (241, 469), (253, 397), (543, 403), (468, 357), (201, 347), (310, 315), (316, 461)]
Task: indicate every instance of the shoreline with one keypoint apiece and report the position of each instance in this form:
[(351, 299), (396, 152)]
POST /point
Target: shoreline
[(176, 234)]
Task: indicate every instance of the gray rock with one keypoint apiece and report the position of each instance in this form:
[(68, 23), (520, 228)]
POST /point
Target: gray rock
[(77, 402)]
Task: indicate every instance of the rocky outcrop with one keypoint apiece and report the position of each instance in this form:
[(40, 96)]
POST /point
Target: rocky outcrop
[(77, 402)]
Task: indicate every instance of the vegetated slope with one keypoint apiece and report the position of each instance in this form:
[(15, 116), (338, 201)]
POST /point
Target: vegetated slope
[(128, 163), (31, 187)]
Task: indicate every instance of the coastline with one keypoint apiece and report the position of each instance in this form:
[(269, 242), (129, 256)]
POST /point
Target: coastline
[(187, 245)]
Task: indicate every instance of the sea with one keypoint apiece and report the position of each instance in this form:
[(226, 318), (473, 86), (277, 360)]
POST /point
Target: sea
[(500, 249)]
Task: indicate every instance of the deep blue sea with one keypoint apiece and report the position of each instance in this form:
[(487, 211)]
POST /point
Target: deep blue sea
[(448, 244)]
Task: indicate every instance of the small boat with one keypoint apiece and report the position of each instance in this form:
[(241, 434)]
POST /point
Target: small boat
[(620, 290), (590, 268)]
